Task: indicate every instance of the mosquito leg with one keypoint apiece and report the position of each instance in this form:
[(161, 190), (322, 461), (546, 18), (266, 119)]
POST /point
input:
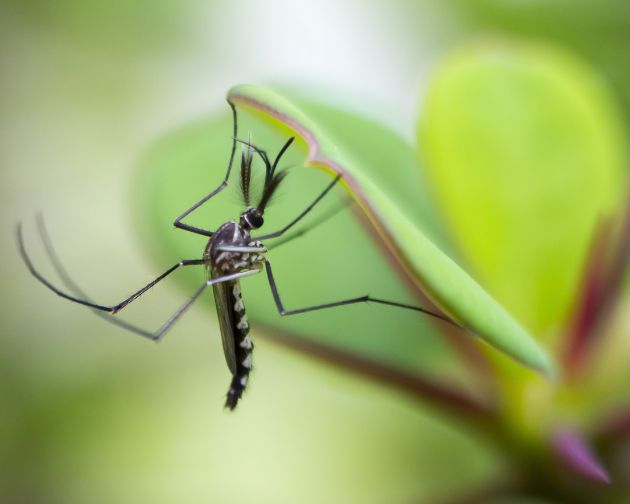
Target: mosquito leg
[(67, 281), (322, 220), (78, 292), (54, 259), (233, 276), (244, 249), (136, 295), (111, 309), (361, 299), (303, 214), (157, 336), (181, 225), (182, 309)]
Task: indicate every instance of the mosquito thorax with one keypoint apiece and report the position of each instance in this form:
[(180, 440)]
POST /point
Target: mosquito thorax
[(231, 249), (252, 218)]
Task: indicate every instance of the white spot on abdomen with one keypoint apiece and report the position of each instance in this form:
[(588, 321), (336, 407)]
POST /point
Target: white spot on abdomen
[(247, 363), (243, 323), (246, 342)]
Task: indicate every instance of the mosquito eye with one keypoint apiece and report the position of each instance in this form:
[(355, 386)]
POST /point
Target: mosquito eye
[(256, 220), (253, 218)]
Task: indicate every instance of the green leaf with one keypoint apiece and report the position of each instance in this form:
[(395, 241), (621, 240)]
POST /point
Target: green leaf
[(336, 260), (594, 29), (441, 279), (525, 152)]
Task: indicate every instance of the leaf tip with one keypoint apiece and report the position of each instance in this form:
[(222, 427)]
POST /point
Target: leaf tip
[(576, 453)]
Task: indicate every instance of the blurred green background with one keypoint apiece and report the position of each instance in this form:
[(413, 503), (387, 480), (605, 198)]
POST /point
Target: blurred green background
[(89, 413)]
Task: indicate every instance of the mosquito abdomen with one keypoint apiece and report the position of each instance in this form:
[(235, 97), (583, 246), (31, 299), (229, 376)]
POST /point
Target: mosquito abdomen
[(243, 349)]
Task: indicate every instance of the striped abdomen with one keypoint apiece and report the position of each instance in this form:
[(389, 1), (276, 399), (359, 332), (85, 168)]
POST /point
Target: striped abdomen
[(237, 345)]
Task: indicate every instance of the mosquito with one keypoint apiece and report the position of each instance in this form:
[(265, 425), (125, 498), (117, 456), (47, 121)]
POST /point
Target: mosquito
[(232, 253)]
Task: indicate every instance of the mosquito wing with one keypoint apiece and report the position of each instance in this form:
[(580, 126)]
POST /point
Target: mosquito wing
[(224, 300)]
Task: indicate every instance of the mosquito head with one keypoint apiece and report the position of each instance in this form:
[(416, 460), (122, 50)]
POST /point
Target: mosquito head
[(252, 218)]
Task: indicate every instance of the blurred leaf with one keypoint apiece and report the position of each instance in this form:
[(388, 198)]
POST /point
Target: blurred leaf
[(441, 279), (526, 153), (518, 500), (111, 28), (574, 451), (596, 29), (605, 273), (447, 399)]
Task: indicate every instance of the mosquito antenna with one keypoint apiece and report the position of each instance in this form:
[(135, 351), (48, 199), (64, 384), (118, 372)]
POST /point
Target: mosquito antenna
[(270, 189), (247, 156), (272, 178), (281, 153), (270, 169), (259, 151)]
